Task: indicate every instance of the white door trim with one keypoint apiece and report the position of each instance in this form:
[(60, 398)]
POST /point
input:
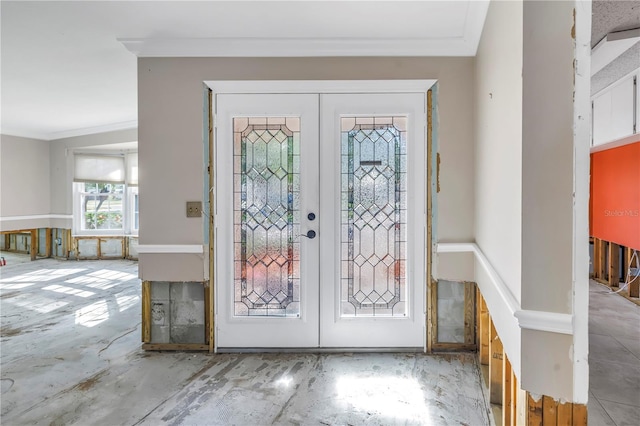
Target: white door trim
[(319, 86)]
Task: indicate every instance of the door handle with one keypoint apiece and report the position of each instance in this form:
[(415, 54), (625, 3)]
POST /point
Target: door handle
[(310, 234), (311, 216)]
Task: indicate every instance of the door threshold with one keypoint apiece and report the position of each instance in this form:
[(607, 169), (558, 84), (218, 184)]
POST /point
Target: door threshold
[(320, 350)]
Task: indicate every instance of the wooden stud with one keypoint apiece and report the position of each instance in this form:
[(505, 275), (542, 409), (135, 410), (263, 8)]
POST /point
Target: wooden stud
[(600, 248), (146, 311), (469, 313), (212, 253), (534, 411), (456, 347), (549, 411), (596, 258), (433, 322), (174, 347), (522, 407), (34, 244), (477, 325), (634, 286), (429, 155), (207, 315), (495, 366), (614, 265), (604, 249), (48, 239), (579, 415), (514, 398), (484, 332), (508, 398), (565, 414)]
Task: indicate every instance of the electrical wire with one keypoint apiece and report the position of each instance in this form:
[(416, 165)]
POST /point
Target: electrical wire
[(629, 279)]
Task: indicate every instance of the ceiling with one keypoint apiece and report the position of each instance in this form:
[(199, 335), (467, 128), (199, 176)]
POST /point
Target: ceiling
[(614, 59), (66, 71), (69, 68)]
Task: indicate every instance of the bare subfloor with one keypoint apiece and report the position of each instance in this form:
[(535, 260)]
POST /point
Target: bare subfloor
[(614, 359), (70, 339)]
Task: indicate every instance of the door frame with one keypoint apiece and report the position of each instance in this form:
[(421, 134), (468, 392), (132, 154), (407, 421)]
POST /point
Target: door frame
[(318, 87)]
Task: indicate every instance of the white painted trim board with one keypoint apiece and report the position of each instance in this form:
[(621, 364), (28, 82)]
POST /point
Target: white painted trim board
[(552, 322)]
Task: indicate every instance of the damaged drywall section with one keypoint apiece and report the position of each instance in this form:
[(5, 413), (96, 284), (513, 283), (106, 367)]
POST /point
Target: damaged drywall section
[(177, 312), (104, 247), (450, 312), (454, 314)]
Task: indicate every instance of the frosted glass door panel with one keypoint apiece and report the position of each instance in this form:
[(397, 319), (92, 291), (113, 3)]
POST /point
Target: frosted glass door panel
[(373, 216), (267, 216), (267, 275)]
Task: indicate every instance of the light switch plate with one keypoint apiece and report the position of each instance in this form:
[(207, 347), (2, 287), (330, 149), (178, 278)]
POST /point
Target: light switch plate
[(194, 208)]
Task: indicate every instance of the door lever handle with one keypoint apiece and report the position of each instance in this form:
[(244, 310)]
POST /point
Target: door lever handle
[(310, 234)]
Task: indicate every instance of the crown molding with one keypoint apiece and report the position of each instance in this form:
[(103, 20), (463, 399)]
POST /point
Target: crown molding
[(124, 125), (300, 47)]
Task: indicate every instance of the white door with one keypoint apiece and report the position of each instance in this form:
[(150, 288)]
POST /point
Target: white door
[(372, 221), (266, 184), (320, 220)]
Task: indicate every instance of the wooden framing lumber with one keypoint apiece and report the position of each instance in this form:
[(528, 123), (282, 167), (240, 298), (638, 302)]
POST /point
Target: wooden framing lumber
[(549, 411), (495, 366), (453, 347), (146, 311), (614, 265), (432, 325), (33, 249), (515, 389), (429, 156), (534, 411), (579, 415), (47, 237), (484, 332), (601, 259), (508, 397), (174, 347), (565, 414), (207, 315), (210, 331), (469, 313), (634, 286)]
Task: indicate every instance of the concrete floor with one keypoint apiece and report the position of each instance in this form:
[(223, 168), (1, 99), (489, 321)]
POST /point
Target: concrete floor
[(614, 359), (70, 339)]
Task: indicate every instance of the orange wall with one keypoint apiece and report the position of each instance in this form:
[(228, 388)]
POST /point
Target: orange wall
[(615, 195)]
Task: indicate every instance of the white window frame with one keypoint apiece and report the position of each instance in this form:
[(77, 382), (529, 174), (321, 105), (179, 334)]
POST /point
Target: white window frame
[(128, 205)]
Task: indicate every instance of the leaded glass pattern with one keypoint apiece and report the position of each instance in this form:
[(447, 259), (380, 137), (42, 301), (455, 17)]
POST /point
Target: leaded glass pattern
[(373, 216), (266, 174)]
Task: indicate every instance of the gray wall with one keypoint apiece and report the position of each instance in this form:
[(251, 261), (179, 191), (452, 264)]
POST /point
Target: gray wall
[(171, 151), (24, 181), (61, 160)]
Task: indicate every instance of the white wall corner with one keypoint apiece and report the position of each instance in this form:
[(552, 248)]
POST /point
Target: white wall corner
[(581, 142)]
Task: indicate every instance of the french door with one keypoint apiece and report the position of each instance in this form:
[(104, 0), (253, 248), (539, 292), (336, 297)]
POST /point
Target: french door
[(320, 220)]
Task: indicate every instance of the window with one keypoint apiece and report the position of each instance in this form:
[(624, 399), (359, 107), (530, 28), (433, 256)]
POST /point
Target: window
[(106, 194), (101, 205)]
